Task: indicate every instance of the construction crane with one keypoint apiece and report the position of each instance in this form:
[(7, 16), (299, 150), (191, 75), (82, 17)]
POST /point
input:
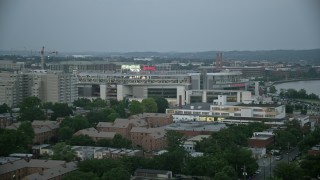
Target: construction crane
[(42, 56)]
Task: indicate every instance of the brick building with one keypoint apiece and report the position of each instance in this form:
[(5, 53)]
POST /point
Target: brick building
[(43, 130), (95, 134), (261, 140), (148, 138), (24, 167), (119, 126)]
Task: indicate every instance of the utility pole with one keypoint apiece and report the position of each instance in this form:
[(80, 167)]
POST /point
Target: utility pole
[(264, 170), (288, 151), (270, 165)]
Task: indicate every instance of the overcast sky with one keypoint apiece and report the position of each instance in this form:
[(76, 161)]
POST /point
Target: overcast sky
[(159, 25)]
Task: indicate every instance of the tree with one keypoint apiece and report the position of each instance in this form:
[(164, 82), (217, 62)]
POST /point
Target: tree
[(135, 107), (60, 110), (289, 108), (311, 166), (81, 140), (13, 141), (30, 109), (221, 176), (288, 171), (174, 140), (76, 175), (120, 142), (62, 151), (118, 173), (65, 133), (26, 129), (82, 102), (103, 143), (273, 89), (149, 105), (76, 123), (162, 104), (4, 108)]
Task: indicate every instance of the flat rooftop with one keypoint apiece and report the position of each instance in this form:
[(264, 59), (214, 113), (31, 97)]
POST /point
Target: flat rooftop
[(196, 126)]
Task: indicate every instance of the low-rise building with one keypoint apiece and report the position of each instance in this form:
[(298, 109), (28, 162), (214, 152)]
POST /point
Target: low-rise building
[(56, 173), (196, 128), (189, 144), (119, 126), (24, 167), (151, 174), (44, 131), (221, 109), (149, 139), (95, 134)]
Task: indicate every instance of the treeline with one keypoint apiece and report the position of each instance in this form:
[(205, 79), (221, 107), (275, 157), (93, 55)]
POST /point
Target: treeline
[(301, 94)]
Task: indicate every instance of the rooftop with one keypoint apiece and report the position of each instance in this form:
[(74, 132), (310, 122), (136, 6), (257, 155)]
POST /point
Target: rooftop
[(53, 172), (19, 164), (196, 126)]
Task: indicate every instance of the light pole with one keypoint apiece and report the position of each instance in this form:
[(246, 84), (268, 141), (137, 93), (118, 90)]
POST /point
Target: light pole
[(264, 170), (270, 165)]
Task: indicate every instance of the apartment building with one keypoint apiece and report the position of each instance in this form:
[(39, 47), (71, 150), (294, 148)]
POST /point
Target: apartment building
[(44, 131), (119, 126), (21, 168), (95, 135), (54, 87), (149, 139), (144, 130)]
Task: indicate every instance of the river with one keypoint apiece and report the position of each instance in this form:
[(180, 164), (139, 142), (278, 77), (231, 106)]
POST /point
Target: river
[(310, 86)]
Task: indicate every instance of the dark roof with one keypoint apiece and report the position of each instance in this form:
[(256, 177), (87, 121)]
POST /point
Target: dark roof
[(254, 119)]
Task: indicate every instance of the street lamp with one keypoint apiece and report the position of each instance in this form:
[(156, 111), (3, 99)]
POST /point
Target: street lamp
[(264, 170)]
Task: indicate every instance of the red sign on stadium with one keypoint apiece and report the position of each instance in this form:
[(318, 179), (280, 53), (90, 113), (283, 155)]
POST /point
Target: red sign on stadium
[(149, 68)]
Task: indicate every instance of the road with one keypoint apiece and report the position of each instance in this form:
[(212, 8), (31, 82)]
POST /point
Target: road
[(266, 168)]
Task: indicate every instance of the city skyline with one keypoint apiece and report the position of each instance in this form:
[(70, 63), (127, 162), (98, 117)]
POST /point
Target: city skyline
[(162, 26)]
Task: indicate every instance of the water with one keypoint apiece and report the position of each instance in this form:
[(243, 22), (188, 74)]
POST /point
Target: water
[(309, 86)]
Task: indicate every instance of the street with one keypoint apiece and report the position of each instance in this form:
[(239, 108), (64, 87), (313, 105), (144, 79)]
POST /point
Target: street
[(266, 168)]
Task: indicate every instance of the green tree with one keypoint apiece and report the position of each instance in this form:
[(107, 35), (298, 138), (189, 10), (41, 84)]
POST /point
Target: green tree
[(149, 105), (135, 107), (162, 104), (65, 133), (81, 140), (273, 89), (289, 108), (82, 102), (4, 108), (311, 166), (13, 141), (62, 151), (76, 175), (26, 129), (120, 142), (288, 171), (174, 140), (221, 176), (30, 109), (230, 172), (60, 110), (76, 123), (118, 173), (103, 143)]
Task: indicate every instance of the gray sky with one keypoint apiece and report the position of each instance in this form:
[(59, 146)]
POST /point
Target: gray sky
[(159, 25)]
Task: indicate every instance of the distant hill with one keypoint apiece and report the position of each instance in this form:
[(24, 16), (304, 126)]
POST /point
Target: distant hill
[(276, 55), (273, 55)]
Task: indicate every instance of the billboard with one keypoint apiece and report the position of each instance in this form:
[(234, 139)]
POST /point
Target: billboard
[(133, 68), (149, 68)]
